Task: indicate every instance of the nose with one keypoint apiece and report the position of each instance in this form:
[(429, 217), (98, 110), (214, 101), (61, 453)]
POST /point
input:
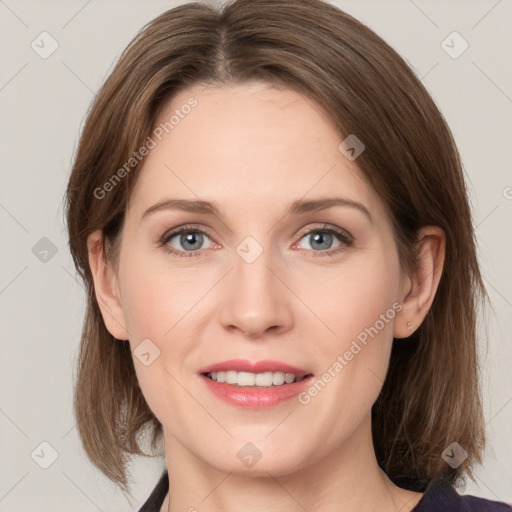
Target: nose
[(255, 298)]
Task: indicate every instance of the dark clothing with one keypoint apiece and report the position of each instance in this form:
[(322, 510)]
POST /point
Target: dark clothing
[(439, 496)]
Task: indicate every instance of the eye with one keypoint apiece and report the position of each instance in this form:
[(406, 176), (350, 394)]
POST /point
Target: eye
[(189, 238), (189, 241), (322, 238)]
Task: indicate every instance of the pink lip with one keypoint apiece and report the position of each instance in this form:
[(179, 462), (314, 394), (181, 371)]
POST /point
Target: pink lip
[(255, 397), (243, 365)]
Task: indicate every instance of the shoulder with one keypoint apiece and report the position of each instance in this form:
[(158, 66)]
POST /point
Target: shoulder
[(157, 496), (441, 496)]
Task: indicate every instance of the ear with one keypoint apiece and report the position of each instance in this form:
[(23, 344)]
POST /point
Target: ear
[(419, 289), (105, 287)]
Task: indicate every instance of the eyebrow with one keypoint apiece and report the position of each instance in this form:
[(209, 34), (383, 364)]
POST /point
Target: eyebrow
[(297, 207)]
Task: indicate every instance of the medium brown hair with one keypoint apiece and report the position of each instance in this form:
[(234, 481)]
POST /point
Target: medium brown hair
[(431, 395)]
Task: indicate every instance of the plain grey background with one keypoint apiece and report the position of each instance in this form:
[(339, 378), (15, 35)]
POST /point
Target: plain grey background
[(43, 106)]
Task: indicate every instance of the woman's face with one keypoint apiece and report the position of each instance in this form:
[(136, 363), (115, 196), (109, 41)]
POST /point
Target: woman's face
[(257, 281)]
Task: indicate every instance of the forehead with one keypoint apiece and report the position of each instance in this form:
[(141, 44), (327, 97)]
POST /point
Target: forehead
[(247, 145)]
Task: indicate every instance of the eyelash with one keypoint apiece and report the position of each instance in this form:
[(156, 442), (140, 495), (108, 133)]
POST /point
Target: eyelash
[(344, 237)]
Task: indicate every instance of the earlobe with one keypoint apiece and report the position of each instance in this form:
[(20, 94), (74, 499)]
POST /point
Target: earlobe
[(420, 288), (105, 287)]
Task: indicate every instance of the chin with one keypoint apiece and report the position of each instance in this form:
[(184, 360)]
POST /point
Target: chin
[(256, 460)]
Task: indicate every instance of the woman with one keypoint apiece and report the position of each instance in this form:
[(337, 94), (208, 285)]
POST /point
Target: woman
[(270, 216)]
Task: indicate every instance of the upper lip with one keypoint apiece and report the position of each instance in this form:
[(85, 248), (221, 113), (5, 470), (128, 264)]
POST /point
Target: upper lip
[(243, 365)]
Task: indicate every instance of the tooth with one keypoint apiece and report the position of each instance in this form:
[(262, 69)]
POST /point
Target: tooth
[(289, 378), (231, 377), (278, 378), (263, 379), (245, 379)]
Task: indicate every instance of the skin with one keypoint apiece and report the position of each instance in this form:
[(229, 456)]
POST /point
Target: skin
[(254, 149)]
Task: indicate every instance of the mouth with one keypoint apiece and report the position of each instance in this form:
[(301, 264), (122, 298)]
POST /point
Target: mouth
[(265, 373), (249, 379), (268, 384)]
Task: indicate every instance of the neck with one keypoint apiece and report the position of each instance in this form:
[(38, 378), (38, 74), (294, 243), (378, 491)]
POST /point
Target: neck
[(347, 479)]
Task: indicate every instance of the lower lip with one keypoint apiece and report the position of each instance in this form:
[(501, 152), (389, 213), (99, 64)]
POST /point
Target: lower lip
[(256, 397)]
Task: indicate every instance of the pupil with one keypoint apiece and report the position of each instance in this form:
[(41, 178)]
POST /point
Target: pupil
[(320, 236), (190, 237)]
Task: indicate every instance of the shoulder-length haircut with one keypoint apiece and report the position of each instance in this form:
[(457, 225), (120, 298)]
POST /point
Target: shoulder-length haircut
[(431, 396)]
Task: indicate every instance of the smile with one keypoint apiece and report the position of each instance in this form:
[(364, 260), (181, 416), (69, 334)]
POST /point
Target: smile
[(265, 379)]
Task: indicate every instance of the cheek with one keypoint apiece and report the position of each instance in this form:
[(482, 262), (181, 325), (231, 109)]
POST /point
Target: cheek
[(153, 301), (160, 304), (354, 296), (359, 306), (154, 313)]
